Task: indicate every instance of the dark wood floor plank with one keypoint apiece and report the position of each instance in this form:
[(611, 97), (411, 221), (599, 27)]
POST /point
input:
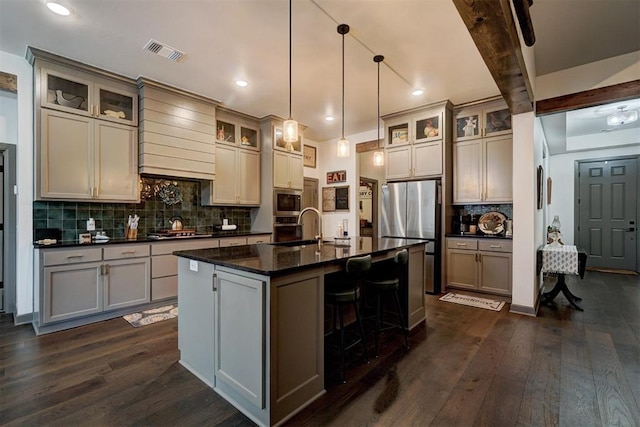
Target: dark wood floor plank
[(560, 368), (615, 400)]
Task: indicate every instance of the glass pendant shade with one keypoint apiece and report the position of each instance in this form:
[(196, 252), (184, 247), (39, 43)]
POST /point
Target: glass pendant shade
[(343, 147), (290, 133), (378, 158)]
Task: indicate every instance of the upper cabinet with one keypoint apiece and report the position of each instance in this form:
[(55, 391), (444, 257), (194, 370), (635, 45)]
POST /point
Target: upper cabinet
[(237, 130), (414, 141), (76, 92), (86, 132), (290, 147), (237, 180), (482, 154), (482, 121)]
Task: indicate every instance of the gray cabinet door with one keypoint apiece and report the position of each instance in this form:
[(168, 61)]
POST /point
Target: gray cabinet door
[(66, 156), (127, 282), (71, 291), (116, 162), (239, 331), (248, 177), (495, 272), (467, 171), (498, 165), (415, 291), (462, 269)]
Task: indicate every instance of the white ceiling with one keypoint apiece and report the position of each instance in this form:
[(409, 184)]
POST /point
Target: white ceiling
[(425, 44)]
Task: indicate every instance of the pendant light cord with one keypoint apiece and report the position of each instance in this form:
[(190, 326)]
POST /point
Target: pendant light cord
[(343, 86), (290, 50), (378, 122)]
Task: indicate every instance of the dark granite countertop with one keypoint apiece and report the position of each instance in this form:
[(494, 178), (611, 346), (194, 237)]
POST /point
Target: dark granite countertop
[(269, 259), (480, 236), (214, 235)]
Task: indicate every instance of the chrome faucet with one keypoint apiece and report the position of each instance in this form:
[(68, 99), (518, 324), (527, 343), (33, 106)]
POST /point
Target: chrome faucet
[(319, 236)]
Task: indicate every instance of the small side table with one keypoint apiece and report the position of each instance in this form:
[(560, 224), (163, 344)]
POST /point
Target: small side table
[(561, 285)]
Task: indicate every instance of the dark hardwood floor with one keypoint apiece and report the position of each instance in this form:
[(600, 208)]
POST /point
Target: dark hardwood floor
[(466, 366)]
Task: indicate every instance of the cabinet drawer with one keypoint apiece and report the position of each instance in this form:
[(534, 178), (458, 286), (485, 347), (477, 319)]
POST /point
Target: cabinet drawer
[(233, 241), (126, 251), (497, 245), (163, 248), (164, 287), (71, 256), (251, 240), (471, 244), (164, 265)]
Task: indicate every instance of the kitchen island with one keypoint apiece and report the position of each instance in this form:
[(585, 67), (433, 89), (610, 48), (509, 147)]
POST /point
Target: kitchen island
[(251, 323)]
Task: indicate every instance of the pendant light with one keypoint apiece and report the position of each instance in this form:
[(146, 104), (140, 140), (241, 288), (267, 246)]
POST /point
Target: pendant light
[(290, 126), (378, 155), (343, 143)]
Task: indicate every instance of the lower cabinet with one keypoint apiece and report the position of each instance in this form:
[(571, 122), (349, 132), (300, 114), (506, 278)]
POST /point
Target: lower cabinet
[(479, 264), (84, 281), (239, 331), (415, 289)]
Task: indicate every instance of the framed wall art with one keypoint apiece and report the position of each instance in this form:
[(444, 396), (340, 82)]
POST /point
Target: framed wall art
[(309, 157)]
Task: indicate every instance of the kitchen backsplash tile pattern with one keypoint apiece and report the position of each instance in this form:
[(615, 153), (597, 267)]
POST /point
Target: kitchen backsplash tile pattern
[(157, 206), (506, 209)]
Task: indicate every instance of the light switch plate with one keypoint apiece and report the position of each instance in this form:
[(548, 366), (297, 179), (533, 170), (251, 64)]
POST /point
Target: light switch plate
[(193, 265)]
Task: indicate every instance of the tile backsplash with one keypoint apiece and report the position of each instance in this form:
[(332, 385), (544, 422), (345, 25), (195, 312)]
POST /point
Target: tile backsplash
[(506, 209), (155, 210)]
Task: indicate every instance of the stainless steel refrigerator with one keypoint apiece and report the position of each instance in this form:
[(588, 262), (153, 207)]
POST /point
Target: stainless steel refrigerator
[(412, 210)]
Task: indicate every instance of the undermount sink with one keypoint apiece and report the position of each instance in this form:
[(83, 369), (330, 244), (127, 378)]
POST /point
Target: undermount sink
[(301, 243)]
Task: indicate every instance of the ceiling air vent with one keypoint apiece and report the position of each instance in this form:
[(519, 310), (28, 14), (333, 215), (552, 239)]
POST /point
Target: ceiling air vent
[(165, 51)]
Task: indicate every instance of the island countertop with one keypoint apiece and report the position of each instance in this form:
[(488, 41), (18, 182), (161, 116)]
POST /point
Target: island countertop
[(272, 259)]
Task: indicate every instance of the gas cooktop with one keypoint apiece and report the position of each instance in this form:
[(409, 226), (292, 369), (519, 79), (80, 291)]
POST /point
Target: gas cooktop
[(176, 234)]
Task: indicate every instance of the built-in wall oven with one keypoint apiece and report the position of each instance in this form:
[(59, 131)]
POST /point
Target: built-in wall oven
[(286, 229), (286, 202)]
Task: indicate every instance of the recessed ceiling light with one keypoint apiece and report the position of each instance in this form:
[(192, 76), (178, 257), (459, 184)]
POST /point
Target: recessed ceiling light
[(417, 92), (58, 8), (242, 83), (329, 118)]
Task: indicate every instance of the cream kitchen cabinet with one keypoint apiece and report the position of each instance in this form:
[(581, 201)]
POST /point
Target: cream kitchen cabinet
[(414, 141), (126, 275), (479, 265), (86, 132), (237, 129), (74, 91), (85, 159), (237, 178), (288, 170), (482, 121), (482, 170)]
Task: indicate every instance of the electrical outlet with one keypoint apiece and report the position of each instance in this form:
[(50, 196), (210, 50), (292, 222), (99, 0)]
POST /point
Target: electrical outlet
[(193, 265)]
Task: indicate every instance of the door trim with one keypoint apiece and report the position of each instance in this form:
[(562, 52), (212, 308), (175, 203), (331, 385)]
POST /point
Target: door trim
[(576, 193)]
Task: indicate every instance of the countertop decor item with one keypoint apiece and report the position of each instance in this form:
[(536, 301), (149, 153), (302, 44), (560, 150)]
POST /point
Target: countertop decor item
[(492, 222)]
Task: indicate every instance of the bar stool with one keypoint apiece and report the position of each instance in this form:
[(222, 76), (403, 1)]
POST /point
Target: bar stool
[(347, 291), (385, 286)]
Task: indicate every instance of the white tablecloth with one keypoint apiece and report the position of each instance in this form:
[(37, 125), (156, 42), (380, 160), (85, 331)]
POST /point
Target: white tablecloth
[(560, 259)]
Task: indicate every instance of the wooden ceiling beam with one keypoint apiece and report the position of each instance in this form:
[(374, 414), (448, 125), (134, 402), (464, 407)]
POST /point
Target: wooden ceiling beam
[(589, 98), (8, 82), (491, 25)]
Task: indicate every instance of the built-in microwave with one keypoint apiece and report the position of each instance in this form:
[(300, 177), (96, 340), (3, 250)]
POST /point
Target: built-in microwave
[(287, 202)]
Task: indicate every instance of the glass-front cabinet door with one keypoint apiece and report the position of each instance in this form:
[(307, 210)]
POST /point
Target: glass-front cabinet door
[(65, 92), (116, 106), (467, 125), (398, 133), (225, 132), (428, 127), (497, 121), (248, 137), (280, 144)]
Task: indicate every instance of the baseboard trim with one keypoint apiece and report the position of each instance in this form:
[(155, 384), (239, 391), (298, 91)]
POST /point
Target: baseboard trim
[(23, 319), (523, 309)]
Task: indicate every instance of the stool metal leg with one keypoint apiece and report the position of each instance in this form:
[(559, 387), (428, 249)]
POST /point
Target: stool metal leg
[(378, 320), (342, 359), (403, 326), (362, 338)]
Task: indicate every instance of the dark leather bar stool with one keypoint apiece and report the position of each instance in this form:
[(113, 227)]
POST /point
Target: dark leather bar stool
[(347, 291), (384, 286)]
